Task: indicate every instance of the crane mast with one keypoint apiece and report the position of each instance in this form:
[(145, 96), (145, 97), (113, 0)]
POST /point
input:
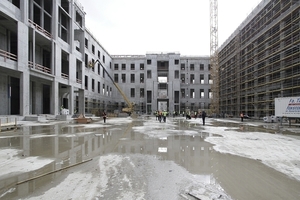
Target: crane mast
[(214, 61)]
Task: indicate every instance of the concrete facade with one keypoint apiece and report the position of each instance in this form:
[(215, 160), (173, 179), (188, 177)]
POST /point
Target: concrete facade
[(45, 56), (164, 81)]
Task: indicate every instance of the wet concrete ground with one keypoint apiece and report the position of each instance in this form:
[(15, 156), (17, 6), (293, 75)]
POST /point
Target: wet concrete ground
[(71, 146)]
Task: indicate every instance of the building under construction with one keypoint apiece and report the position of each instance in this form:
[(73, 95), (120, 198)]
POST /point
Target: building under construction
[(46, 51), (261, 60), (50, 63)]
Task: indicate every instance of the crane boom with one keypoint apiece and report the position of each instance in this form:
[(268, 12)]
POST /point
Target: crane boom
[(130, 107)]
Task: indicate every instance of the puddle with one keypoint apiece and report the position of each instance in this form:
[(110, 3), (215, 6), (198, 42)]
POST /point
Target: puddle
[(59, 146)]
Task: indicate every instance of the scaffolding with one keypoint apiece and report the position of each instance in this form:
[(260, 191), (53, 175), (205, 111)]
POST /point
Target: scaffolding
[(262, 60)]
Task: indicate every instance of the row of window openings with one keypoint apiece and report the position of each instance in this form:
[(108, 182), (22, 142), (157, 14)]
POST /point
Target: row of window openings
[(176, 62), (142, 66), (183, 95), (108, 91), (132, 78), (193, 94), (86, 43)]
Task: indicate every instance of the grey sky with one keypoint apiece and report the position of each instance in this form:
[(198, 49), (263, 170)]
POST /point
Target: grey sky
[(140, 26)]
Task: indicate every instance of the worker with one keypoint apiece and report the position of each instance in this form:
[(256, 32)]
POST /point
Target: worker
[(164, 115), (156, 115), (203, 115), (159, 116), (242, 116), (104, 117)]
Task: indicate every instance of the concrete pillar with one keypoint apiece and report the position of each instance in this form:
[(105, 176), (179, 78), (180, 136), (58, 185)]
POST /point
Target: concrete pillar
[(71, 100), (23, 67), (24, 7), (24, 93), (55, 109), (81, 109)]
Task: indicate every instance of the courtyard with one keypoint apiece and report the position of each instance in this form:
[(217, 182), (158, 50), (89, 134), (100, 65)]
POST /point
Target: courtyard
[(141, 158)]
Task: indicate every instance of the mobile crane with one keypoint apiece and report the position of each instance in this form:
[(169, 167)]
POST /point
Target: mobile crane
[(131, 105)]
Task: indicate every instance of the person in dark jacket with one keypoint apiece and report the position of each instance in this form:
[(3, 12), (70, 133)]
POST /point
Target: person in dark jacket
[(242, 116), (104, 117), (203, 115)]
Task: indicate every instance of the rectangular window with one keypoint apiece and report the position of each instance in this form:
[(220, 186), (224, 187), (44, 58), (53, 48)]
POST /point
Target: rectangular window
[(99, 68), (182, 93), (142, 92), (201, 78), (192, 93), (201, 67), (208, 66), (142, 77), (176, 96), (148, 62), (103, 58), (116, 78), (93, 85), (103, 72), (176, 62), (103, 89), (182, 66), (149, 74), (86, 43), (63, 26), (201, 93), (192, 78), (93, 49), (142, 66), (123, 66), (86, 60), (99, 54), (210, 94), (132, 78), (86, 82), (116, 67), (176, 74), (192, 67), (210, 81), (92, 65), (99, 88), (182, 78), (123, 78), (149, 96), (132, 66), (132, 92)]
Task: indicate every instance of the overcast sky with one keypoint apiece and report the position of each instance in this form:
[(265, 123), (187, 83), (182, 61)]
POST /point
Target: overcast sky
[(135, 27)]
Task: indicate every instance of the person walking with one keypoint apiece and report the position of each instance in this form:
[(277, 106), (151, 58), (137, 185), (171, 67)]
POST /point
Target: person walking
[(159, 116), (242, 116), (104, 117), (203, 115), (164, 115)]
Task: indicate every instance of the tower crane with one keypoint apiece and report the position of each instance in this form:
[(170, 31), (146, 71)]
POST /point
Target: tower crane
[(214, 61)]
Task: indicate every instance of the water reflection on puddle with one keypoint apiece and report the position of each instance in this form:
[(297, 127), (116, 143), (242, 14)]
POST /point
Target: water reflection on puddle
[(63, 145)]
